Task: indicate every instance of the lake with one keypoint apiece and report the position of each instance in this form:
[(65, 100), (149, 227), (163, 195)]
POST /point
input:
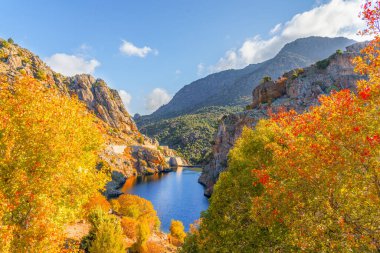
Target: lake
[(175, 195)]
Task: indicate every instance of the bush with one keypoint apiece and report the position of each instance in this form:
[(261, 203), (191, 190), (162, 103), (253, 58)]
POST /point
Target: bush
[(5, 44), (140, 209), (323, 64), (177, 231), (106, 234), (266, 79), (339, 51), (10, 40), (41, 75)]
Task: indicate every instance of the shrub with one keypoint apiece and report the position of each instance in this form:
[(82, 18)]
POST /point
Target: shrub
[(266, 79), (5, 44), (107, 233), (41, 75), (323, 64), (141, 139), (339, 51), (10, 41)]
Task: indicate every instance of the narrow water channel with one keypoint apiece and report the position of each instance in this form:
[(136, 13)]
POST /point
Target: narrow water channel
[(175, 195)]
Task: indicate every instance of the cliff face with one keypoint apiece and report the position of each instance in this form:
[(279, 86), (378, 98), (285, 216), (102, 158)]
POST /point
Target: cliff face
[(127, 151), (298, 90)]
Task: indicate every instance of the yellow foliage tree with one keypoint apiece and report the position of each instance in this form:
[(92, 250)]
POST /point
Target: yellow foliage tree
[(177, 231), (48, 152)]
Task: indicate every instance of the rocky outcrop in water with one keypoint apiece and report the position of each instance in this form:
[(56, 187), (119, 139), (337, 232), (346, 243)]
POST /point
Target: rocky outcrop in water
[(298, 90)]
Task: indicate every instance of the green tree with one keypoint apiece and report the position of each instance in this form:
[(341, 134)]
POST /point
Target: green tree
[(107, 233)]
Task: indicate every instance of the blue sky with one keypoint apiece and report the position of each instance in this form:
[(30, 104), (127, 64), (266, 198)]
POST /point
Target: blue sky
[(150, 49)]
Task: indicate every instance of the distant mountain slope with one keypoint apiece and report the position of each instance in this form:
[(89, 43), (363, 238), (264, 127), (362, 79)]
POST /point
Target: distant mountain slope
[(189, 122), (233, 87)]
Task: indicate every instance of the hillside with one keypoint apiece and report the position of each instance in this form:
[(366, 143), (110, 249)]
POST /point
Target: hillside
[(233, 87), (127, 151), (228, 91), (298, 90)]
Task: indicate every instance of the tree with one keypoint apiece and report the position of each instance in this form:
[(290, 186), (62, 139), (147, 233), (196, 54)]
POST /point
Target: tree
[(48, 152), (107, 233), (177, 231), (139, 209), (143, 234)]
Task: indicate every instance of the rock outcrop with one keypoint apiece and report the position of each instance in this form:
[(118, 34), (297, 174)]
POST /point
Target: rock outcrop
[(120, 131), (298, 90)]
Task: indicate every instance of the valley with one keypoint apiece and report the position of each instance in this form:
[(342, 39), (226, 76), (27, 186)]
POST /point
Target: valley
[(273, 147)]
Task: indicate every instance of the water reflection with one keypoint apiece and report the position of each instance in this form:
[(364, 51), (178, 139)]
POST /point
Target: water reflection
[(175, 195)]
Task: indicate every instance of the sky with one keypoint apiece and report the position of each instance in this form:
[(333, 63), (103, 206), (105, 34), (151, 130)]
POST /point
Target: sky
[(149, 49)]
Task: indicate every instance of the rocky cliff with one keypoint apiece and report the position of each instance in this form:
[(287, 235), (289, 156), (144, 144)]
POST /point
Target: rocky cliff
[(298, 89), (127, 152)]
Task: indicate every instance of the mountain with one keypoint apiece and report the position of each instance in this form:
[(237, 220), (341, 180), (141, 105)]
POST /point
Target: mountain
[(127, 151), (233, 87), (195, 110), (297, 90)]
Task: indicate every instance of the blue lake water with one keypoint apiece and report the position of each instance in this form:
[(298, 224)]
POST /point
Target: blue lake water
[(176, 195)]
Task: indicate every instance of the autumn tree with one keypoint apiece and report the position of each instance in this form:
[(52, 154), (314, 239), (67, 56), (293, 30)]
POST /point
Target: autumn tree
[(48, 151), (177, 232)]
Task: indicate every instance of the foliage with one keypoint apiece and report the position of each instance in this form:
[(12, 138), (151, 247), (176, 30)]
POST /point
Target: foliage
[(11, 41), (143, 234), (41, 75), (177, 231), (323, 64), (266, 79), (138, 208), (129, 226), (153, 247), (5, 44), (339, 51), (106, 234), (297, 72), (48, 151), (97, 201), (189, 134)]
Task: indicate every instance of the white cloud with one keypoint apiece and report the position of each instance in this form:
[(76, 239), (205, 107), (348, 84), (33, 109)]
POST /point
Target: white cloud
[(130, 49), (156, 98), (332, 19), (276, 29), (178, 72), (125, 97), (200, 69), (71, 64)]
